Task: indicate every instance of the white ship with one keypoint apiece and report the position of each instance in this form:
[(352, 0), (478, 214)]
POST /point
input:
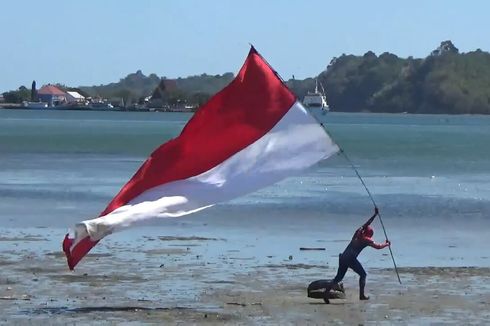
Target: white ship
[(316, 102)]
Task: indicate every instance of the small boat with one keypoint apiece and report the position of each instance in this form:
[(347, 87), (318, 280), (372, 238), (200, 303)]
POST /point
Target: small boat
[(100, 106), (316, 102), (34, 105)]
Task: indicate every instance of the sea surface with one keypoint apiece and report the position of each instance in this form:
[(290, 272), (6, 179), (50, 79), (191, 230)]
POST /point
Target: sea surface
[(429, 175)]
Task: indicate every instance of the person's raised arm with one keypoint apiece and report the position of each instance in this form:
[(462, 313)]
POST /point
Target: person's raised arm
[(371, 219)]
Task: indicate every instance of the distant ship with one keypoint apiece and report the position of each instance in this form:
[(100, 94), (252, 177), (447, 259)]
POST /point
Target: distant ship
[(316, 102)]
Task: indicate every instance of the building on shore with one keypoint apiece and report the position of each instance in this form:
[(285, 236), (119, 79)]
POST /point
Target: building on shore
[(52, 95), (74, 97)]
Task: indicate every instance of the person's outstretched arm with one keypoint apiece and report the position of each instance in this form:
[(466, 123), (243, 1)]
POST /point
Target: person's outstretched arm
[(379, 245)]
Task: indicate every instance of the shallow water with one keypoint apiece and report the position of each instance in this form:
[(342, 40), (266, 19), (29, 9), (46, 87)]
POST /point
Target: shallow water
[(428, 174)]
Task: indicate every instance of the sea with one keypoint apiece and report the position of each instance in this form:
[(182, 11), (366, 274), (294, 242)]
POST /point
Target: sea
[(428, 174)]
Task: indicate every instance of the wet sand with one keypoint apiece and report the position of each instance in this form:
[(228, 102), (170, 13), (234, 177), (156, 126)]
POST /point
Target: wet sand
[(168, 280)]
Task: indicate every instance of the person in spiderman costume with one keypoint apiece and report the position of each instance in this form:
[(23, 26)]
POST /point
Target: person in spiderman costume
[(348, 259)]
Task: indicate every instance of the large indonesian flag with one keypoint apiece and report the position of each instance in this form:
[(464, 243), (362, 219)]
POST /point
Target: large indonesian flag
[(251, 134)]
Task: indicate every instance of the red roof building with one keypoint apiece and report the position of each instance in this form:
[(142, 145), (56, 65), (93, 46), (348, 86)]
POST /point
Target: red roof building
[(50, 90), (52, 95)]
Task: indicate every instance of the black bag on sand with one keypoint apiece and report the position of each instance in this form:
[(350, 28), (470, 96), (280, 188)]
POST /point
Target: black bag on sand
[(316, 290)]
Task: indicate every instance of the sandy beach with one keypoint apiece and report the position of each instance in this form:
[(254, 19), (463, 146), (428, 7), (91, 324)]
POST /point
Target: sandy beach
[(170, 282)]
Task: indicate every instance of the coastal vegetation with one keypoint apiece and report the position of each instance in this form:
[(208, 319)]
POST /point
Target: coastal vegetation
[(446, 81), (137, 87), (17, 96)]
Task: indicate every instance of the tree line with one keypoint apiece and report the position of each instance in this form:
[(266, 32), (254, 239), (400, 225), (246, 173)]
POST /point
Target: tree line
[(446, 81)]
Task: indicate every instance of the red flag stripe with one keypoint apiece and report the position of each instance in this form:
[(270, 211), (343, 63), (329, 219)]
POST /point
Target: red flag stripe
[(223, 126)]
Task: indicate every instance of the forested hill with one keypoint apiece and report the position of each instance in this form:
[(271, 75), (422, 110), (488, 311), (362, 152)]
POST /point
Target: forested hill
[(131, 87), (137, 85), (446, 81)]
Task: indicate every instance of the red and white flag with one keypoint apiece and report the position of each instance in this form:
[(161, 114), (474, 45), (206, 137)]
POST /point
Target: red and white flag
[(250, 135)]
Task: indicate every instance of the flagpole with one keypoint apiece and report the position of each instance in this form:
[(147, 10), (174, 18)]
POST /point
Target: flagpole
[(374, 203), (370, 196)]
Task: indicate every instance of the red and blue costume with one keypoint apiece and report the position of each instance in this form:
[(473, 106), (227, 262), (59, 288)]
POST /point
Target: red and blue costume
[(348, 259)]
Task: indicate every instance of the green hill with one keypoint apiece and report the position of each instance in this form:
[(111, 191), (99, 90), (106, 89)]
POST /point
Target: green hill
[(444, 82), (130, 88), (136, 86)]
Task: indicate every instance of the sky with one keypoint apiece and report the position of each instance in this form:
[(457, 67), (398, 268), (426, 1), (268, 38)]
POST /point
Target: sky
[(93, 42)]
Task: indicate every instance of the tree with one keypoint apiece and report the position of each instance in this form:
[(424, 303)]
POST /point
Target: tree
[(18, 96)]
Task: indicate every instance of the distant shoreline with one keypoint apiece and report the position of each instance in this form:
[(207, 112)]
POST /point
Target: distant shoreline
[(15, 106)]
